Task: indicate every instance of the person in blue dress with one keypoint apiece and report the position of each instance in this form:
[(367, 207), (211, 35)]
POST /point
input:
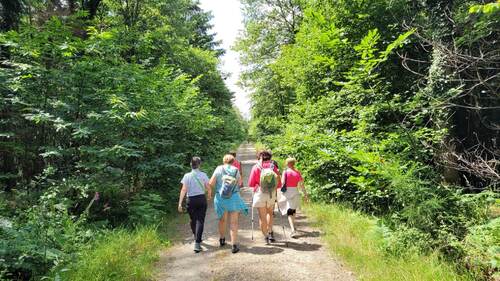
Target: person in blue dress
[(228, 209)]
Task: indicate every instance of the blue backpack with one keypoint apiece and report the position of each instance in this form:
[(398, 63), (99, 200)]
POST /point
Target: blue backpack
[(229, 182)]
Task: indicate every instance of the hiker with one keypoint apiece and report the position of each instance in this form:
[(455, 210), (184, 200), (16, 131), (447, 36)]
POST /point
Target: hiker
[(194, 184), (265, 180), (227, 200), (289, 199), (237, 165)]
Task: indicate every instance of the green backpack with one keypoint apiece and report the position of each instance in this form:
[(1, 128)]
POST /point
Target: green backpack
[(268, 178)]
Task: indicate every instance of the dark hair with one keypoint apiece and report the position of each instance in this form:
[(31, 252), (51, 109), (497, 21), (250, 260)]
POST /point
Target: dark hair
[(195, 162), (232, 152), (265, 155)]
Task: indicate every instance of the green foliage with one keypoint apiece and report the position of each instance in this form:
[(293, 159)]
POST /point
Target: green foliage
[(117, 255), (45, 237), (376, 101), (481, 248), (361, 243), (146, 209), (102, 105)]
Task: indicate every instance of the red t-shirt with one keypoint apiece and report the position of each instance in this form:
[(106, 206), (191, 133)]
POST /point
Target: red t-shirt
[(293, 177), (237, 165), (254, 178)]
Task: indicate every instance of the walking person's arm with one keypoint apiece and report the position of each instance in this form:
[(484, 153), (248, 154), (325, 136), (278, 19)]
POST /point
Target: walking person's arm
[(181, 197), (211, 183), (241, 175), (278, 178), (209, 191)]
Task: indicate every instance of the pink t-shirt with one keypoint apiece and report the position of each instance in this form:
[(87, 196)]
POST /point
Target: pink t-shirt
[(293, 177), (254, 179)]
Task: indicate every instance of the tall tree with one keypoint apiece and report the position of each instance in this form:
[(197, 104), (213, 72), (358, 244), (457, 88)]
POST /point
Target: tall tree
[(269, 27)]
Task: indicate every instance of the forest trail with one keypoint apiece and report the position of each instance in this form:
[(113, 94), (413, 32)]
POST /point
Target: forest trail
[(305, 258)]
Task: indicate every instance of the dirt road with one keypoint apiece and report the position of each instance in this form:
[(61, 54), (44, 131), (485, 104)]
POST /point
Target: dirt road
[(305, 258)]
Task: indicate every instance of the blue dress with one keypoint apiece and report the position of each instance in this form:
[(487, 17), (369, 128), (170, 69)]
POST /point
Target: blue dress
[(233, 204)]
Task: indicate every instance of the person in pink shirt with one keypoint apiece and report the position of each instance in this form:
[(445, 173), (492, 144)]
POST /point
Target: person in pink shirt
[(237, 165), (265, 198), (289, 199)]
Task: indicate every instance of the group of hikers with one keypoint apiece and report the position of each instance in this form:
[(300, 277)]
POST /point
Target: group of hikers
[(268, 185)]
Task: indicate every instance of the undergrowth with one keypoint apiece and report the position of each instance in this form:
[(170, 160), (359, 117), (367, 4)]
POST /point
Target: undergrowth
[(359, 241)]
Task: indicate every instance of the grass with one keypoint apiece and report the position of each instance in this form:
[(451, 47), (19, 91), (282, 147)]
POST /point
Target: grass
[(119, 255), (358, 241), (124, 254), (169, 229)]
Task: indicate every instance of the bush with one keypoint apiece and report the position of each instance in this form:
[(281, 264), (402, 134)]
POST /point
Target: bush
[(405, 240), (482, 249), (146, 209), (48, 238)]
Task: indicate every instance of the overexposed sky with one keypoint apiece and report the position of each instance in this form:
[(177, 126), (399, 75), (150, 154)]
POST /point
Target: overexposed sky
[(227, 23)]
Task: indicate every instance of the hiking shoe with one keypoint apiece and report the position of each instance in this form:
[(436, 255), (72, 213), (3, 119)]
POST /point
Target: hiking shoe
[(294, 234), (271, 237), (235, 249), (266, 240), (222, 242), (197, 247)]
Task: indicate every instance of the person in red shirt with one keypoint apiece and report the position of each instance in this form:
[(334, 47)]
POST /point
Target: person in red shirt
[(237, 165), (289, 199), (264, 200)]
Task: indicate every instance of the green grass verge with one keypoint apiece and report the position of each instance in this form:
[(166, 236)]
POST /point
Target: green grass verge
[(124, 254), (358, 241), (118, 255)]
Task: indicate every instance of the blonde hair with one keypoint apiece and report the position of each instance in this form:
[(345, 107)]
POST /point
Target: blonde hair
[(228, 159), (291, 161)]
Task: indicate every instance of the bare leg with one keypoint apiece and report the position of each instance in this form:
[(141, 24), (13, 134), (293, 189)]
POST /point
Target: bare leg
[(222, 225), (233, 226), (270, 218), (263, 220), (291, 220)]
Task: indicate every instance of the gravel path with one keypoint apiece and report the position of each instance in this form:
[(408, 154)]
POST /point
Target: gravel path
[(305, 258)]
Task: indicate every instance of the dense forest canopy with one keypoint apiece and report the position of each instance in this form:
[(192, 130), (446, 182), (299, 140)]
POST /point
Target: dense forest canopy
[(102, 105), (392, 107)]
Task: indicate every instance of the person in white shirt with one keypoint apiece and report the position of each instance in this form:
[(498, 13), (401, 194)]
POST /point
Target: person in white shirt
[(194, 184)]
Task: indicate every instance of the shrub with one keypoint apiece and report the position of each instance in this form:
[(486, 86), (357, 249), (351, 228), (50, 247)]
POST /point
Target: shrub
[(482, 249), (146, 209), (48, 238)]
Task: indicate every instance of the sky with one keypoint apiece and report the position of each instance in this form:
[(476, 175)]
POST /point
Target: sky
[(228, 22)]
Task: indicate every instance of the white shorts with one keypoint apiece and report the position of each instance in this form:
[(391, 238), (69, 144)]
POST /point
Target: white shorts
[(289, 200), (263, 199)]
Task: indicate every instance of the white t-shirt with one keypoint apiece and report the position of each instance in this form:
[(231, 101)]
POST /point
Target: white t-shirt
[(195, 186)]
